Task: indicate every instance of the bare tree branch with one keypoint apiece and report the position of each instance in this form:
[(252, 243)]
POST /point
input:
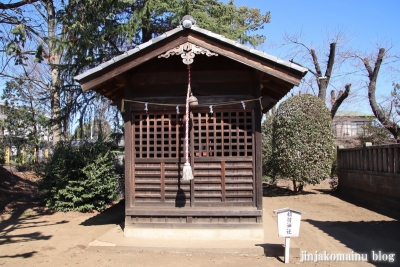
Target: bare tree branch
[(316, 63), (367, 67), (383, 118), (17, 4), (322, 69), (331, 60), (41, 13), (339, 99), (25, 79), (323, 81)]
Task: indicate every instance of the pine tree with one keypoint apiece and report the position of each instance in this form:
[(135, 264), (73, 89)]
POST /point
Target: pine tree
[(68, 37)]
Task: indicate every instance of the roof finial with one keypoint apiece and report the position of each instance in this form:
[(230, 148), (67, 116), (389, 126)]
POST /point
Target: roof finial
[(188, 21)]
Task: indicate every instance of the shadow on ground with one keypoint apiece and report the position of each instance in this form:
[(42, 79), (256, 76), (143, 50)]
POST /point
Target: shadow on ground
[(21, 227), (19, 211), (363, 204), (16, 192), (23, 219), (366, 238), (113, 215), (271, 190)]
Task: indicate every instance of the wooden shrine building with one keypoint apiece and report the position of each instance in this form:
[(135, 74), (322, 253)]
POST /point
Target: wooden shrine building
[(233, 85)]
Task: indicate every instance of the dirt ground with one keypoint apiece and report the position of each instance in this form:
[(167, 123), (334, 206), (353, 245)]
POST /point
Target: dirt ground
[(34, 236)]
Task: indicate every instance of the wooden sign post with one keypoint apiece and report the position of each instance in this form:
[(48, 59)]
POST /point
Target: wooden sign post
[(288, 226)]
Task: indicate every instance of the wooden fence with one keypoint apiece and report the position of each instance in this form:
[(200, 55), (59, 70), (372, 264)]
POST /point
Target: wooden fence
[(371, 174)]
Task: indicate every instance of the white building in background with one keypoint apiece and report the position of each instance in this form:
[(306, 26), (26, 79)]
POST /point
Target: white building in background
[(2, 117), (348, 125)]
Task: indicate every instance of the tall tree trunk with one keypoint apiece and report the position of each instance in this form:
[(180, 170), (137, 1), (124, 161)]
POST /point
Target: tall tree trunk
[(390, 125), (294, 186), (337, 101), (146, 28), (54, 59), (55, 104), (323, 79)]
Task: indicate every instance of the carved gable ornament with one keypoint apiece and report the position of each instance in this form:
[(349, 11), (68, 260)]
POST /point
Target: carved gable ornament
[(187, 52)]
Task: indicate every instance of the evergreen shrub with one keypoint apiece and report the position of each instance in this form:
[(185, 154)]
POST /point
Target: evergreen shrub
[(80, 177), (303, 142)]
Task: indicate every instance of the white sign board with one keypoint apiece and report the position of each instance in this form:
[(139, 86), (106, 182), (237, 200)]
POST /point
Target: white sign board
[(288, 222), (288, 226)]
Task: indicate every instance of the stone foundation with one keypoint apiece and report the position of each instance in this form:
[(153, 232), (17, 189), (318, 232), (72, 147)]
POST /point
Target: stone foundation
[(251, 232)]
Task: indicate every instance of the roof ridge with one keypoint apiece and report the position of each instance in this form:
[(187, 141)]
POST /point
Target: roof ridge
[(196, 29)]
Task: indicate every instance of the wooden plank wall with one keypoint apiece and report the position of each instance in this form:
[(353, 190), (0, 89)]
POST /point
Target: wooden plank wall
[(383, 159), (223, 183), (371, 174)]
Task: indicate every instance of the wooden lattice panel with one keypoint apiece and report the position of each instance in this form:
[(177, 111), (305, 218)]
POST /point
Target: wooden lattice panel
[(158, 135), (223, 134)]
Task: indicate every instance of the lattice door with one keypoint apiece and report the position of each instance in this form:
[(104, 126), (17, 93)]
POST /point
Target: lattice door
[(158, 151), (221, 146)]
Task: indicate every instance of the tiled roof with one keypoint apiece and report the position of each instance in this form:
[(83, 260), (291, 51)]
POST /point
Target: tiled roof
[(196, 29)]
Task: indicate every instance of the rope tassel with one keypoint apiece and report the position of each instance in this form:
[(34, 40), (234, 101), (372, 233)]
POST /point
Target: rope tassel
[(187, 172), (187, 169)]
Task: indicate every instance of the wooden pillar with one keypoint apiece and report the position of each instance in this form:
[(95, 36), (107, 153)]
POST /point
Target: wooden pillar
[(396, 159), (129, 158), (258, 150), (192, 182)]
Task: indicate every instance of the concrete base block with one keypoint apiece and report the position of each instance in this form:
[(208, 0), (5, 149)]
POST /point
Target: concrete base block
[(237, 233)]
